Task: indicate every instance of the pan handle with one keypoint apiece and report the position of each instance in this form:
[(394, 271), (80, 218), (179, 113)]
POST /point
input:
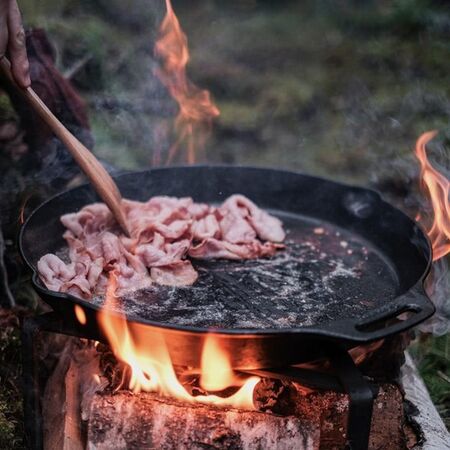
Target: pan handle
[(409, 309)]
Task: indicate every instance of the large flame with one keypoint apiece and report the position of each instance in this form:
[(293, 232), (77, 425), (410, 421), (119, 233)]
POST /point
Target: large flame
[(438, 189), (197, 111), (151, 366)]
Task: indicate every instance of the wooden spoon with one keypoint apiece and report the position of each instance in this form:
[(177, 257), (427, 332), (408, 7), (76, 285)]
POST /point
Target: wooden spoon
[(89, 164)]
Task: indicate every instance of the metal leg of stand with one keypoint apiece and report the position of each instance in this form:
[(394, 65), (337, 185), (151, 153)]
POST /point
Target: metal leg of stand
[(31, 391), (361, 398)]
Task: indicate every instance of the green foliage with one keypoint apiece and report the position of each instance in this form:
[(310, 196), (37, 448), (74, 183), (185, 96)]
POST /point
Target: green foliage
[(433, 357), (406, 18)]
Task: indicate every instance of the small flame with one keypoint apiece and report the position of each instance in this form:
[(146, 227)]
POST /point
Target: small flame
[(197, 110), (151, 366), (438, 189), (80, 314)]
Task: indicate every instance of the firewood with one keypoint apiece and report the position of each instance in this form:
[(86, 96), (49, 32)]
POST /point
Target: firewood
[(71, 385), (143, 421), (330, 409), (315, 420), (57, 395)]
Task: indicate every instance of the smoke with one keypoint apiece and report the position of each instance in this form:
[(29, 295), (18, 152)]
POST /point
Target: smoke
[(437, 287)]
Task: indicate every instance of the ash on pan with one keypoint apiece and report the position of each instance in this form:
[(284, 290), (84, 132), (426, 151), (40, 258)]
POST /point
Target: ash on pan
[(324, 274)]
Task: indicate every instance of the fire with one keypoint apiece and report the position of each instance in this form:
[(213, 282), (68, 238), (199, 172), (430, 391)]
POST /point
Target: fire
[(80, 314), (151, 366), (438, 189), (217, 373), (196, 109)]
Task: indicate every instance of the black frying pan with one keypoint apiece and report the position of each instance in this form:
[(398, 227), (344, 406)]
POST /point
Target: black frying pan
[(353, 265)]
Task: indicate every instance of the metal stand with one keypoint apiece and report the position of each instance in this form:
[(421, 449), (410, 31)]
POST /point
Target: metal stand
[(31, 389), (361, 397), (346, 379)]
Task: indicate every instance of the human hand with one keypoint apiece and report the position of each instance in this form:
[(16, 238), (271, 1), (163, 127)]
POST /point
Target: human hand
[(12, 41)]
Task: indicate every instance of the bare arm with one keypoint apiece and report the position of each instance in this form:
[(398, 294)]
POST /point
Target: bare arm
[(12, 41)]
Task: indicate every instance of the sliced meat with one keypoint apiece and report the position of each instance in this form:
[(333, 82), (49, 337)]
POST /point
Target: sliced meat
[(174, 230), (199, 210), (215, 249), (164, 232), (111, 247), (205, 227), (178, 274), (150, 255), (90, 220), (94, 272), (54, 272), (268, 227), (236, 229), (78, 286)]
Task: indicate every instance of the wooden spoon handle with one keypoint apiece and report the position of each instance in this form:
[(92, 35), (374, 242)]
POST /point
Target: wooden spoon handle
[(89, 164)]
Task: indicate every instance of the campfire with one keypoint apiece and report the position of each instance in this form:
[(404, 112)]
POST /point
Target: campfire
[(152, 370), (297, 344)]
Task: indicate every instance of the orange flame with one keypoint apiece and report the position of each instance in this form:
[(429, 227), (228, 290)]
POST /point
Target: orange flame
[(80, 314), (197, 111), (217, 373), (151, 366), (438, 188)]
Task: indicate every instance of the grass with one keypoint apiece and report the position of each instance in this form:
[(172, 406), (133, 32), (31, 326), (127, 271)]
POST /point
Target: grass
[(433, 357)]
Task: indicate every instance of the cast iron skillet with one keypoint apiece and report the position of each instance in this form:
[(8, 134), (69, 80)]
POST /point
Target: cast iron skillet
[(399, 242)]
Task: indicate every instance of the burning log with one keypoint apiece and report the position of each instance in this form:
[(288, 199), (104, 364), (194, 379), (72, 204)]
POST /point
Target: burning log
[(81, 412), (126, 421), (313, 421)]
